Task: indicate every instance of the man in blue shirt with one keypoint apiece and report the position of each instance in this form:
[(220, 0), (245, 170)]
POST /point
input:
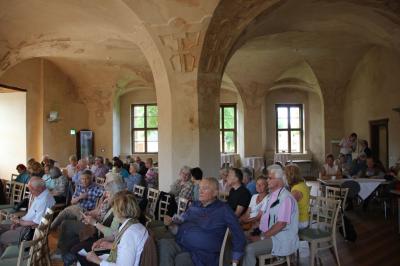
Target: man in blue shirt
[(200, 231)]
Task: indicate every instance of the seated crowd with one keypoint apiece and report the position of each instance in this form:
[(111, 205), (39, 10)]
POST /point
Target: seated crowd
[(102, 223)]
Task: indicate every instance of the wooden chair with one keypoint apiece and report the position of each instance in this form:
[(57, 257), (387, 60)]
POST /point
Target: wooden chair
[(163, 206), (100, 181), (182, 205), (271, 260), (222, 252), (338, 193), (139, 191), (152, 197), (17, 190), (322, 235), (34, 252), (223, 196)]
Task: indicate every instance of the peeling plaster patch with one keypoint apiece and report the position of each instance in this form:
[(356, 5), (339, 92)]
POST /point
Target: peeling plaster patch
[(79, 51)]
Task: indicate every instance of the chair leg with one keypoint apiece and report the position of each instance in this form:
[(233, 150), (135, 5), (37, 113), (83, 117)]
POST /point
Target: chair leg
[(344, 228), (336, 251), (385, 209), (288, 260), (313, 251)]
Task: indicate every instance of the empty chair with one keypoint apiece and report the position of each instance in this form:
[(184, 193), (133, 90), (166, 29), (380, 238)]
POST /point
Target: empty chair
[(338, 193), (322, 235), (152, 197)]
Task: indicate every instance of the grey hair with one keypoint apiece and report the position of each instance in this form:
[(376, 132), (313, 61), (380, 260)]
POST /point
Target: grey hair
[(36, 183), (136, 166), (278, 173), (114, 187), (213, 181), (185, 169)]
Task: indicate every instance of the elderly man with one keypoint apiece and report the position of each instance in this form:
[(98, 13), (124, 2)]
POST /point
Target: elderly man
[(183, 187), (278, 224), (200, 231), (80, 167), (42, 199), (101, 169), (84, 199)]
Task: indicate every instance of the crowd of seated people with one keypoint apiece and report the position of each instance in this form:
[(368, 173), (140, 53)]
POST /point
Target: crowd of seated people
[(104, 218)]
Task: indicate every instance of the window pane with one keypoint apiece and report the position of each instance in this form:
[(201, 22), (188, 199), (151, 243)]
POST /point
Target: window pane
[(295, 141), (294, 117), (139, 135), (152, 146), (139, 146), (138, 110), (152, 121), (152, 110), (282, 114), (138, 122), (152, 135), (283, 145), (229, 117), (229, 141)]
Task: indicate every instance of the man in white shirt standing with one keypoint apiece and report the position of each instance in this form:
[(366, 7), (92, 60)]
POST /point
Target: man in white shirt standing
[(42, 199), (348, 146)]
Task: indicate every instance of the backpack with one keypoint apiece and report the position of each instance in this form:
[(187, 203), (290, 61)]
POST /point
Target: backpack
[(351, 234)]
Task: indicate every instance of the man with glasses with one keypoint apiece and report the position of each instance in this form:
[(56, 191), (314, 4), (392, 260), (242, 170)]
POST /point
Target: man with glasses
[(200, 231), (278, 224)]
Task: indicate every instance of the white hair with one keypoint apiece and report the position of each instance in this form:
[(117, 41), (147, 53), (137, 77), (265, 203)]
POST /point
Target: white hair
[(278, 173)]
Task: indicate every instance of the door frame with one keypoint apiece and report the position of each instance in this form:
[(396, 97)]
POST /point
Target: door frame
[(374, 124)]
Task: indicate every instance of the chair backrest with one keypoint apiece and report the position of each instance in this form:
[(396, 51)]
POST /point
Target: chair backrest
[(222, 252), (139, 191), (327, 210), (100, 181), (163, 206), (38, 252), (152, 197), (27, 193), (337, 193), (182, 205), (16, 192), (223, 196), (7, 187), (13, 177)]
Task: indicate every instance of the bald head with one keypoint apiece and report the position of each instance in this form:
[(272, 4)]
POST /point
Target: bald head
[(36, 185)]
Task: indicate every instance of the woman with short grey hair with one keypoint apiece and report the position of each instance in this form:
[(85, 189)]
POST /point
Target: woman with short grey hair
[(183, 186)]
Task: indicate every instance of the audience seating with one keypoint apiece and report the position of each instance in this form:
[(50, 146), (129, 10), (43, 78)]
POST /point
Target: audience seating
[(223, 248), (338, 193), (34, 252), (324, 231), (163, 207), (152, 197)]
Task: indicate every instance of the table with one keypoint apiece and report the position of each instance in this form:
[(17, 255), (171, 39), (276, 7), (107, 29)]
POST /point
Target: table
[(397, 194), (367, 185), (257, 163), (230, 158)]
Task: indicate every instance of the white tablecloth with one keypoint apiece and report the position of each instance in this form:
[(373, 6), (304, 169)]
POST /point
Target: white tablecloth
[(257, 163), (367, 186), (231, 159)]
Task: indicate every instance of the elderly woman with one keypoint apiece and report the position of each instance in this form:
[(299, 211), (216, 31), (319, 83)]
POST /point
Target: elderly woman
[(151, 176), (75, 235), (23, 174), (127, 245), (134, 178), (183, 186), (257, 204), (300, 192)]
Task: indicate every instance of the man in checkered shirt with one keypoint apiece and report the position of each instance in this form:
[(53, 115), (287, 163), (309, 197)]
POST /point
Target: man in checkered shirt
[(84, 199)]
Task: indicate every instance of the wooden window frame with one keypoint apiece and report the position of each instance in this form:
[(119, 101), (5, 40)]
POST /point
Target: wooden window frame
[(145, 128), (223, 130), (289, 129)]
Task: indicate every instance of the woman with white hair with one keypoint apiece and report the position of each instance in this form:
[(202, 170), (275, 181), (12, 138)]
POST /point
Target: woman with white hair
[(183, 187)]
